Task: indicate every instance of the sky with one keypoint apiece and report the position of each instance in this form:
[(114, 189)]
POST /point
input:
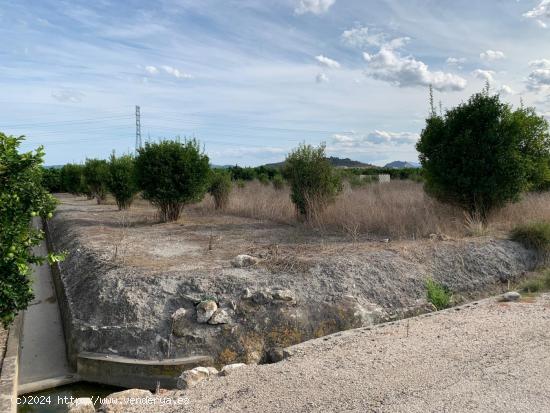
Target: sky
[(251, 79)]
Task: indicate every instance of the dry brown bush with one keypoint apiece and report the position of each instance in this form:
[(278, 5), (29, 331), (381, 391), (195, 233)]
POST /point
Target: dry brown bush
[(398, 209)]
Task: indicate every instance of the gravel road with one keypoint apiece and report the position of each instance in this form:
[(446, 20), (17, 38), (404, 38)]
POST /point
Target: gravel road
[(483, 357)]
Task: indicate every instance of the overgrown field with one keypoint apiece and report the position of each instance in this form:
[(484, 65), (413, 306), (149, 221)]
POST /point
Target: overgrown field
[(399, 209)]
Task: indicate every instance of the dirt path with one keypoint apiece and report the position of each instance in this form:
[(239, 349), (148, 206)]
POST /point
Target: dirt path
[(488, 357)]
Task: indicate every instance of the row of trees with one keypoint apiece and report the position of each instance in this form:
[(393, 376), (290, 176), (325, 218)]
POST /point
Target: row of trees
[(22, 196), (479, 156)]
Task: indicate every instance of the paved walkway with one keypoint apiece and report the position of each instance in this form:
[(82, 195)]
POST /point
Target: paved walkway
[(43, 354)]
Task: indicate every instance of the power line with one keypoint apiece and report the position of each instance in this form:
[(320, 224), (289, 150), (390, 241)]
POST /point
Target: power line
[(138, 128)]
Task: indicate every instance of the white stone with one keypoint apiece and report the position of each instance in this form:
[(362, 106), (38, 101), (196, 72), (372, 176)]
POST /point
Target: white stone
[(205, 310), (511, 296), (243, 261), (81, 405), (230, 368), (220, 317), (283, 295), (190, 378)]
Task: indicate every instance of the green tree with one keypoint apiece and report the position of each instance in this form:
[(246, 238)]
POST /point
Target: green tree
[(72, 179), (312, 180), (22, 197), (171, 175), (481, 154), (122, 180), (96, 176), (220, 188), (51, 179)]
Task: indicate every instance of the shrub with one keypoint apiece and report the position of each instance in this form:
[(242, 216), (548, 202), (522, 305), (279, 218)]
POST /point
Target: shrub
[(51, 179), (278, 182), (263, 179), (312, 180), (535, 235), (22, 197), (72, 179), (537, 284), (122, 180), (220, 188), (438, 295), (481, 155), (96, 176), (171, 175)]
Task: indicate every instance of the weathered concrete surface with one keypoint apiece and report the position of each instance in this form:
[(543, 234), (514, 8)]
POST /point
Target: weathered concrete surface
[(9, 368), (490, 357), (126, 277), (43, 353), (125, 372)]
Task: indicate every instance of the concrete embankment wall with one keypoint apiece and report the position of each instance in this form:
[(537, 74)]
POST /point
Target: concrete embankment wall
[(10, 369)]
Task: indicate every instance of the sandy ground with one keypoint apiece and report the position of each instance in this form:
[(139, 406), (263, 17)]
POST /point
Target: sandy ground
[(483, 357)]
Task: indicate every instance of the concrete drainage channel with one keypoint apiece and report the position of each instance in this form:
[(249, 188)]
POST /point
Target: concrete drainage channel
[(40, 364)]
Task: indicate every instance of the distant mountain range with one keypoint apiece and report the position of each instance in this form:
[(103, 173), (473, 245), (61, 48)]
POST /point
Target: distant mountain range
[(335, 161), (402, 164)]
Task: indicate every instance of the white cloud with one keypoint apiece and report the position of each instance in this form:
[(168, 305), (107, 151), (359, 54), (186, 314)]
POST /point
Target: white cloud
[(388, 65), (321, 78), (540, 64), (506, 90), (361, 38), (328, 62), (540, 12), (151, 70), (68, 95), (492, 55), (456, 61), (486, 75), (176, 73), (377, 137), (539, 80), (313, 6)]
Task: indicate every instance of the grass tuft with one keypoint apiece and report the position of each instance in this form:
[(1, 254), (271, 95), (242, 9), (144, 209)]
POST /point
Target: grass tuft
[(437, 294), (536, 284), (535, 235)]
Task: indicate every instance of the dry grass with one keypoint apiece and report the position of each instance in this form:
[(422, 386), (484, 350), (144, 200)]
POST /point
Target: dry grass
[(398, 210)]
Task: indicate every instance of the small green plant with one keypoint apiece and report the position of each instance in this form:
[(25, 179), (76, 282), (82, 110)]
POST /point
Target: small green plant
[(437, 294), (122, 181), (535, 235), (220, 188)]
